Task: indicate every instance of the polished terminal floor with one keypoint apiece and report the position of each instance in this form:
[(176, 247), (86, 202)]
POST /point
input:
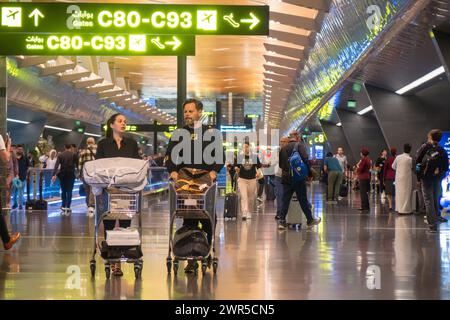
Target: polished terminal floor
[(257, 261)]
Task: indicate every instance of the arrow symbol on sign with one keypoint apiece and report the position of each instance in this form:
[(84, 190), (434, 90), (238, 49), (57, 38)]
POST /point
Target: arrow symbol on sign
[(36, 14), (254, 21), (176, 43)]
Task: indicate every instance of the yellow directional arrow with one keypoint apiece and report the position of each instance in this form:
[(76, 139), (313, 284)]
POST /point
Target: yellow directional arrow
[(254, 21), (176, 43), (36, 14)]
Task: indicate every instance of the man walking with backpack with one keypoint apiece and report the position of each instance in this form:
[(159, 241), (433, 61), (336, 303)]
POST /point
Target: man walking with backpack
[(295, 171), (431, 166)]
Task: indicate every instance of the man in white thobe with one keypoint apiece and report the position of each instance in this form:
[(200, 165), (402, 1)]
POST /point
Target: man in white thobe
[(403, 181)]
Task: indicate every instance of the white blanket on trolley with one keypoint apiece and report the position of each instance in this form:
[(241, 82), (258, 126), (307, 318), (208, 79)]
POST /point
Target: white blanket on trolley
[(126, 174)]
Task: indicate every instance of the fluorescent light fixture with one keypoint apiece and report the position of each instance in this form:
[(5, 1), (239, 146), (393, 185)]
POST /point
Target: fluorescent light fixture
[(122, 58), (92, 134), (365, 110), (339, 124), (433, 74), (57, 128), (135, 73), (229, 79), (17, 121), (220, 49), (225, 67)]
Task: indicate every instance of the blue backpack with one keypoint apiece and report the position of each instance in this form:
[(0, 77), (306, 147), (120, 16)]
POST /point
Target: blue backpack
[(299, 169)]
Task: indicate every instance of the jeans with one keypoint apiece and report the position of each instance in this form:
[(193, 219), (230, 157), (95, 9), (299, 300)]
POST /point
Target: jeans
[(334, 184), (300, 190), (67, 182), (278, 194), (364, 189), (18, 193), (431, 190)]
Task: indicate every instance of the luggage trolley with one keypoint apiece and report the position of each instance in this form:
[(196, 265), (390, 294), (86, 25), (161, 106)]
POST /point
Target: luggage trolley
[(115, 204), (193, 206)]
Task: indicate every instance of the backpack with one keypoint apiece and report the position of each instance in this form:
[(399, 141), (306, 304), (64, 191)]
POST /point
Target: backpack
[(190, 242), (430, 162), (299, 169)]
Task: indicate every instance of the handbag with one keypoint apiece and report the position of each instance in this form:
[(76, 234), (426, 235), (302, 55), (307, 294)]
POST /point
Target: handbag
[(82, 190), (259, 174)]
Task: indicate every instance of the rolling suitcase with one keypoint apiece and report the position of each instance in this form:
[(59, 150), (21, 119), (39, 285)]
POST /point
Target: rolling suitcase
[(41, 204), (270, 192), (231, 204), (416, 201), (294, 217), (30, 203), (343, 191)]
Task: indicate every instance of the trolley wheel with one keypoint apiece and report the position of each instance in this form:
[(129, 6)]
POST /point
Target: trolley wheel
[(92, 267), (107, 272), (215, 265), (175, 267), (204, 267), (137, 271), (169, 266)]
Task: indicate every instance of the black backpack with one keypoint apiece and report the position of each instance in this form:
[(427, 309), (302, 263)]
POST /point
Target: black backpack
[(430, 162), (190, 242)]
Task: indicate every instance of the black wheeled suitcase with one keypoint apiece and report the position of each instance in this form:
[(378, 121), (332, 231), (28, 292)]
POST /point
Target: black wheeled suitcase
[(231, 206), (270, 192), (41, 204), (31, 203), (343, 191)]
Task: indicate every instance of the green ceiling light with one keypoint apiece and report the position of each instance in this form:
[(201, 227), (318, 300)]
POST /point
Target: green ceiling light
[(78, 123), (357, 87), (351, 104)]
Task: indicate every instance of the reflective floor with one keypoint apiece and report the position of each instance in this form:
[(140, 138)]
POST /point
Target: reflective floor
[(349, 256)]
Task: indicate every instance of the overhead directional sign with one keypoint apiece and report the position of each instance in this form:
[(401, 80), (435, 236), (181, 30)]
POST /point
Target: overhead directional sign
[(104, 18), (93, 44), (147, 128)]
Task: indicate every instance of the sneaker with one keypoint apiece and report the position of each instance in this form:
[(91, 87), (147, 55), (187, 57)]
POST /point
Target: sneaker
[(314, 222), (91, 212), (244, 217), (282, 225), (277, 218), (12, 240), (259, 199), (340, 198)]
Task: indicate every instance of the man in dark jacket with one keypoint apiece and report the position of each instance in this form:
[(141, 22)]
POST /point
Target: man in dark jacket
[(23, 164), (189, 157), (430, 178), (289, 187)]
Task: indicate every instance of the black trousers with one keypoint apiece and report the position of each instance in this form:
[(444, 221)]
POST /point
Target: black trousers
[(67, 181), (364, 189), (4, 233)]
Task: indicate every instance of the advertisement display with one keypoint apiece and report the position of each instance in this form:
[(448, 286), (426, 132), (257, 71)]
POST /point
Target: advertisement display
[(445, 183)]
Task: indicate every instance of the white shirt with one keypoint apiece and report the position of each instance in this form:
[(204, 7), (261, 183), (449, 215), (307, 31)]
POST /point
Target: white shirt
[(342, 161), (51, 163), (2, 143)]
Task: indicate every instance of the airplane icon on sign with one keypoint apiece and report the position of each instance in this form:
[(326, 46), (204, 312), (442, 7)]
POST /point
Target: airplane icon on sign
[(12, 16)]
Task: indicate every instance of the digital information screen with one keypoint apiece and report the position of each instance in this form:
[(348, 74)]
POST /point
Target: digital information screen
[(104, 18), (92, 44), (445, 183)]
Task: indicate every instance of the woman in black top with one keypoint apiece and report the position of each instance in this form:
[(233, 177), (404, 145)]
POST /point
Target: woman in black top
[(116, 145), (379, 166), (247, 171)]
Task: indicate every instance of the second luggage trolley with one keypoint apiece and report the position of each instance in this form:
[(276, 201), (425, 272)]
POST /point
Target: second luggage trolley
[(193, 206), (114, 205)]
